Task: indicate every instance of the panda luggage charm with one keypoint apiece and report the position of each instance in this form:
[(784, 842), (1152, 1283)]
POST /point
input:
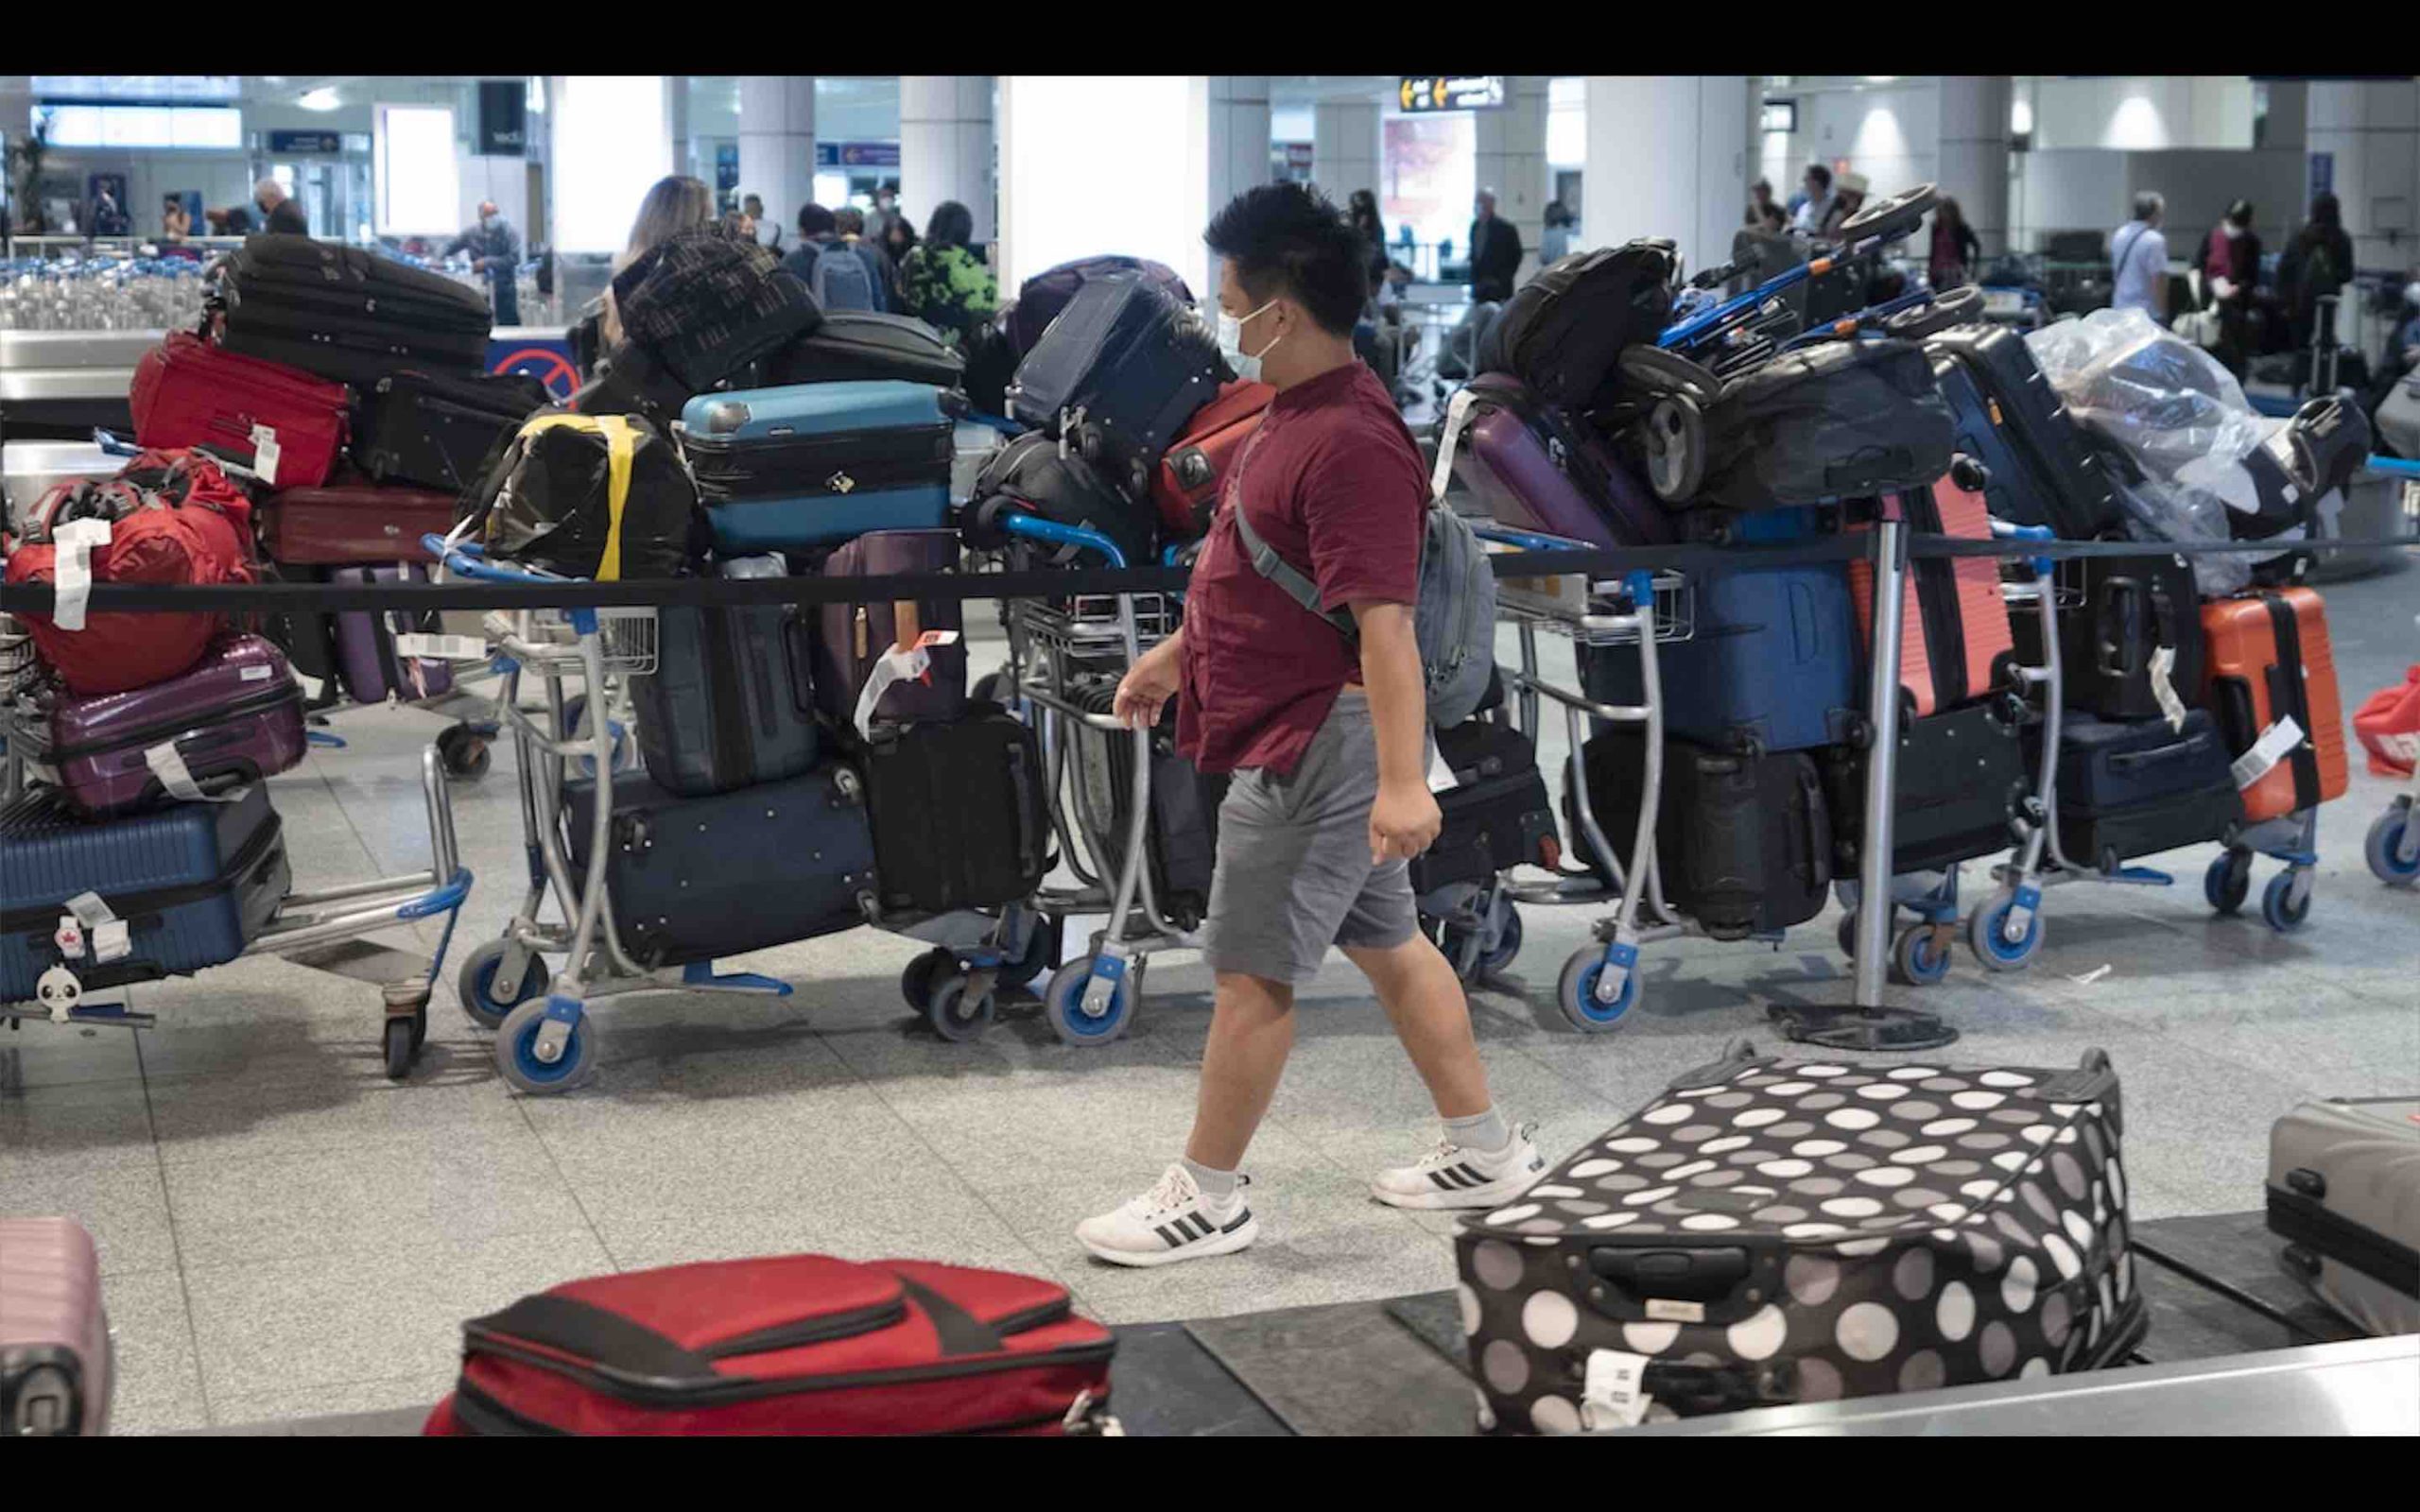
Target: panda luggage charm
[(60, 990)]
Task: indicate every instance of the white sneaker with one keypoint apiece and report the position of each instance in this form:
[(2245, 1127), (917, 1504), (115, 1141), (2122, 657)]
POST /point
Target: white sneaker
[(1171, 1222), (1452, 1176)]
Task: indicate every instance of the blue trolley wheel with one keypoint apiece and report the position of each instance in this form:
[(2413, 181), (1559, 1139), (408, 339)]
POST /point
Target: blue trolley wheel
[(2228, 882), (2386, 837), (2278, 909), (1917, 959), (487, 1002), (1508, 942), (1576, 993), (1062, 1005), (955, 1014), (516, 1052), (1987, 937)]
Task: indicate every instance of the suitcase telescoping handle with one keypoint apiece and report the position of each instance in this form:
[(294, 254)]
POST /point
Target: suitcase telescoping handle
[(2121, 627), (1030, 837), (799, 648)]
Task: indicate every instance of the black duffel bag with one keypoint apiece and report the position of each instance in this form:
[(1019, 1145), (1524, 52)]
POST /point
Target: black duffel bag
[(1040, 477), (1561, 331), (548, 499), (1839, 419), (701, 305)]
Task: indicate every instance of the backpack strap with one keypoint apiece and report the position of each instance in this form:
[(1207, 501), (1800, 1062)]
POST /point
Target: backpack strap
[(620, 444), (1296, 584)]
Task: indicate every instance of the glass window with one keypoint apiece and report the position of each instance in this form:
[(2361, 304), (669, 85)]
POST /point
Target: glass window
[(1431, 176), (611, 142), (418, 189)]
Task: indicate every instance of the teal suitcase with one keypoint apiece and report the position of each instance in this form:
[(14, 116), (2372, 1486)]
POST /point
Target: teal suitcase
[(819, 464)]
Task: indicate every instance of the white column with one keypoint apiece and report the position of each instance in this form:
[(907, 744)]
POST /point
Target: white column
[(777, 142), (946, 146), (1344, 148), (2372, 131), (1238, 126), (1512, 150), (1972, 164), (1668, 156), (1146, 138)]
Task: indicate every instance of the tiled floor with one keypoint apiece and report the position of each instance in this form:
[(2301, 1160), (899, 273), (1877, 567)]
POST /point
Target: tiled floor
[(287, 1233)]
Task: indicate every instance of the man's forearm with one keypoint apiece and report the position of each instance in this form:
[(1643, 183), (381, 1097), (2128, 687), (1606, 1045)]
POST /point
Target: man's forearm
[(1398, 692)]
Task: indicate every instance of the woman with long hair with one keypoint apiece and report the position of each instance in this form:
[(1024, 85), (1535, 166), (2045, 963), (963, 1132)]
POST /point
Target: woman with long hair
[(1956, 248), (674, 203)]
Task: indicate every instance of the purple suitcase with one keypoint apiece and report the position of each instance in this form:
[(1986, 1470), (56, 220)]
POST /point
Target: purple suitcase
[(235, 718), (1536, 469), (850, 638), (365, 658), (54, 1339)]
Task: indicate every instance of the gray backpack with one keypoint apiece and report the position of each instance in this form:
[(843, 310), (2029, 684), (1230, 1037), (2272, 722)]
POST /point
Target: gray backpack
[(842, 280), (1454, 621)]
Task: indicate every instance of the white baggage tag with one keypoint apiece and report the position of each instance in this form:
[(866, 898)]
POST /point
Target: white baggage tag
[(2275, 744), (258, 674), (312, 687), (427, 648), (895, 665), (73, 569), (177, 778), (112, 941), (1449, 434), (265, 452), (107, 931), (1615, 1393), (69, 937), (1441, 777), (2163, 686)]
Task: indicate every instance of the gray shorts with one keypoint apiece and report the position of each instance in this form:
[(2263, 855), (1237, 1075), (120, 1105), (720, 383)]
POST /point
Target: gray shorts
[(1294, 873)]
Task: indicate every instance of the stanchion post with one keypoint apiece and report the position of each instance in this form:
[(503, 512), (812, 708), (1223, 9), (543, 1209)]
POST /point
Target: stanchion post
[(1874, 907)]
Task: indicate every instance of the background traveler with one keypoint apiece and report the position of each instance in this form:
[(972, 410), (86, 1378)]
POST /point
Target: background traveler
[(1848, 197), (176, 224), (768, 230), (1554, 244), (897, 238), (2319, 261), (945, 282), (849, 224), (673, 203), (1763, 213), (495, 254), (2138, 260), (1496, 253), (1815, 202), (282, 214), (2230, 270), (1956, 248)]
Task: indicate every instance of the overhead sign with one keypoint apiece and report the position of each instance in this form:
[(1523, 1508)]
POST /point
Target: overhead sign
[(503, 117), (306, 144), (2322, 173), (1467, 92), (727, 167), (856, 154)]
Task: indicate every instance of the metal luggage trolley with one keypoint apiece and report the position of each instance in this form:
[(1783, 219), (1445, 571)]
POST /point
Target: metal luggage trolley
[(1600, 983)]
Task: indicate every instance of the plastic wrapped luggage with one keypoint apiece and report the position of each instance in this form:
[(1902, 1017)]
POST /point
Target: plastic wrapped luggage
[(731, 699), (960, 812), (2137, 787), (702, 305), (57, 1362), (233, 719), (346, 312), (1536, 469), (1954, 638), (791, 1344), (690, 879), (2118, 615), (598, 496), (367, 660), (1768, 1232), (1186, 483), (2008, 417), (2270, 660), (351, 520), (1962, 781), (1042, 478), (1561, 331), (287, 426), (1497, 816), (439, 430), (784, 469), (2344, 1194), (1773, 662), (1745, 841), (865, 346), (850, 638), (194, 882), (1837, 420), (1119, 373)]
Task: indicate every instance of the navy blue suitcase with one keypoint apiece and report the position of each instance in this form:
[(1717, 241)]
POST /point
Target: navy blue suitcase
[(818, 464), (1772, 663), (197, 882), (692, 879), (2009, 418)]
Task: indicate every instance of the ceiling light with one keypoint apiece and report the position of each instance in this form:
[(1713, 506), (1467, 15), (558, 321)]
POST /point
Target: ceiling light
[(320, 100)]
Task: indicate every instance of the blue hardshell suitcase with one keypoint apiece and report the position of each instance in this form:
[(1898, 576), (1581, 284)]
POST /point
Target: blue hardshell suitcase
[(691, 879), (197, 882), (818, 464), (1774, 659)]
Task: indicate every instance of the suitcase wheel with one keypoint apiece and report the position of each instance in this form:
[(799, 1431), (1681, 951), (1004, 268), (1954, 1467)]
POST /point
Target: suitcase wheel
[(1576, 993), (2228, 882), (2385, 846), (2285, 903), (1062, 1003), (1987, 935)]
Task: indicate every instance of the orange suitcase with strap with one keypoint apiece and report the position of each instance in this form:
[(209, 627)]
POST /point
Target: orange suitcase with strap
[(2270, 658), (1954, 639)]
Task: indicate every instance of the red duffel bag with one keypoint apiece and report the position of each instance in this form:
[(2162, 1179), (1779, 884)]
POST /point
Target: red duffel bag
[(173, 518), (792, 1344)]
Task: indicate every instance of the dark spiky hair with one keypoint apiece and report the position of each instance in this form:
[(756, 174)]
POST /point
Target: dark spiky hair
[(1287, 239)]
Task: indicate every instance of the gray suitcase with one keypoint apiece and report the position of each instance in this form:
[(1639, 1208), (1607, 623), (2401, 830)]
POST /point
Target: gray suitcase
[(731, 699), (55, 1364), (2344, 1194)]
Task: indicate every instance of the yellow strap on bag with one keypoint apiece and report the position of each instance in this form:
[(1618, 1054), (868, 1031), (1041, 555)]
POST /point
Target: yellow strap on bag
[(621, 443)]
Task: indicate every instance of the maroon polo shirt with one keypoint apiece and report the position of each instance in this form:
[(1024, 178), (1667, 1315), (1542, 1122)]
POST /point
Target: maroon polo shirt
[(1335, 482)]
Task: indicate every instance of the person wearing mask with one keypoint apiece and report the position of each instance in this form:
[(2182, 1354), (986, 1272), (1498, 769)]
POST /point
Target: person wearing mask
[(1326, 741), (1956, 248), (674, 203), (281, 215), (1496, 253), (849, 225), (884, 216), (2230, 267), (945, 282), (2138, 260), (1555, 244), (768, 231), (496, 255), (2318, 262), (1816, 208), (1847, 199)]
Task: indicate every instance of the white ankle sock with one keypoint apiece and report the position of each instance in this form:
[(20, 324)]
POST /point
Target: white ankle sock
[(1217, 1187), (1482, 1133)]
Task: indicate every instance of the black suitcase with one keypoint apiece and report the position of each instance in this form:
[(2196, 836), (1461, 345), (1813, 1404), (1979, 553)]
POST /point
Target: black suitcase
[(960, 812), (856, 344), (439, 430), (1119, 373), (730, 701), (2140, 787), (2009, 418), (308, 637), (2120, 611), (691, 879), (346, 312), (1769, 1232), (1839, 419), (1496, 815), (1744, 842), (1963, 779), (1181, 839), (1561, 332)]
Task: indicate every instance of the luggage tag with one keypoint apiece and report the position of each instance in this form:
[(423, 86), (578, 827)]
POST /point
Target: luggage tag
[(106, 931), (2164, 687), (1440, 776), (1615, 1393), (898, 665), (424, 647), (1449, 436), (170, 769), (265, 452), (72, 571), (2275, 744)]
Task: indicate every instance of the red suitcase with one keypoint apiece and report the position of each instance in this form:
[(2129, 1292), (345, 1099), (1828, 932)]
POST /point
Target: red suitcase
[(2269, 658), (187, 393), (1954, 639), (791, 1344), (351, 520), (1185, 486), (54, 1339)]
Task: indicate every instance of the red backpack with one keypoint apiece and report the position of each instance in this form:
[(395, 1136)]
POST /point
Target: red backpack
[(174, 518)]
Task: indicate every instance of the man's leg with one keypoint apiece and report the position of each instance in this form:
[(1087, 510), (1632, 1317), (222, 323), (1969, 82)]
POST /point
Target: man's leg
[(1431, 1016), (1251, 1030)]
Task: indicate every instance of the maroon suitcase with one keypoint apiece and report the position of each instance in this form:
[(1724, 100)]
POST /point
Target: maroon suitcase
[(366, 658), (351, 521), (54, 1338), (850, 638), (1536, 469), (234, 718)]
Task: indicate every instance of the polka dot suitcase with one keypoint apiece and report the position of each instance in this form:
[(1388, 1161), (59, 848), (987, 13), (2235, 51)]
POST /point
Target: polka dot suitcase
[(1769, 1232)]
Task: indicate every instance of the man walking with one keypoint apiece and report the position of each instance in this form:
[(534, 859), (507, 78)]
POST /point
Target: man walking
[(495, 254)]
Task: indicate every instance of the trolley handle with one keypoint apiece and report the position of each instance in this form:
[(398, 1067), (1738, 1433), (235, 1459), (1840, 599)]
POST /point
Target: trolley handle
[(1034, 527), (469, 559)]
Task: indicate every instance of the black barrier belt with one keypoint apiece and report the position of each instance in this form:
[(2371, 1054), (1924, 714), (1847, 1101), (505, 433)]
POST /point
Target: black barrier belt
[(663, 592)]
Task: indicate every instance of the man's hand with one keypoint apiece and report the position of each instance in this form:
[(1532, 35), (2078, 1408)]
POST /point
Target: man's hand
[(1403, 821), (1147, 686)]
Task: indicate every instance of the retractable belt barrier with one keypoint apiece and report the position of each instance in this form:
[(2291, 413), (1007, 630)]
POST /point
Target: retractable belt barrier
[(1045, 583)]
